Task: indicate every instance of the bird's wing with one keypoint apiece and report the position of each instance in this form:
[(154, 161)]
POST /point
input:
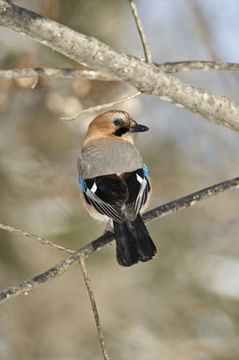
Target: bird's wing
[(107, 195), (138, 188)]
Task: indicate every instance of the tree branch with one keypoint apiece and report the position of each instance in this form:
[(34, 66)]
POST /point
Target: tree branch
[(173, 67), (147, 52), (94, 307), (35, 238), (145, 77), (59, 269), (71, 73), (63, 73), (190, 200), (100, 107)]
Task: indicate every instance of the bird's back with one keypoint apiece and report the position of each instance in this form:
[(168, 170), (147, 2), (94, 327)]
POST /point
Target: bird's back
[(108, 156)]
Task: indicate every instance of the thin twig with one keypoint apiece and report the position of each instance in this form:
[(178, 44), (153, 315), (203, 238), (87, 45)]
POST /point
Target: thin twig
[(35, 238), (173, 67), (100, 107), (163, 210), (94, 307), (147, 52), (61, 73), (35, 83)]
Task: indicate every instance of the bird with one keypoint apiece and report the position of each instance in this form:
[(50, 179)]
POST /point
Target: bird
[(115, 184)]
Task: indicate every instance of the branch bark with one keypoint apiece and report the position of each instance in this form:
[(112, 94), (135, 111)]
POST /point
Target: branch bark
[(174, 67), (71, 73), (190, 200), (147, 78), (64, 73)]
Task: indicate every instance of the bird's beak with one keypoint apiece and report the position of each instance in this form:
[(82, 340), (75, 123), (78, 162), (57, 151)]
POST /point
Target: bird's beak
[(138, 128)]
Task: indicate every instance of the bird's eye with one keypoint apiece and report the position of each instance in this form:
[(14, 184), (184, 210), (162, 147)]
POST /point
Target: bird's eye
[(117, 122)]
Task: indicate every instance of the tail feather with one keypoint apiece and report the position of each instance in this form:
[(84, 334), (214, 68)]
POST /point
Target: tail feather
[(133, 242), (126, 250)]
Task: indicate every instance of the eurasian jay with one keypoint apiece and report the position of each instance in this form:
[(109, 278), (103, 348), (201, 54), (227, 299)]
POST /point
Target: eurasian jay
[(115, 184)]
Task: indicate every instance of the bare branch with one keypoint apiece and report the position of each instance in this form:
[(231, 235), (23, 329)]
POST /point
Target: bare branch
[(100, 107), (35, 238), (191, 200), (144, 77), (63, 73), (173, 67), (147, 52), (163, 210), (94, 307), (26, 286), (34, 84), (70, 73)]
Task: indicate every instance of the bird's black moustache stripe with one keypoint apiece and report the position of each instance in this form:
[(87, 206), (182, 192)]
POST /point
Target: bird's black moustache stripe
[(121, 131)]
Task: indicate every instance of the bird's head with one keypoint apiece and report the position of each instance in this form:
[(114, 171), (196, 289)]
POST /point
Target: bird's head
[(115, 123)]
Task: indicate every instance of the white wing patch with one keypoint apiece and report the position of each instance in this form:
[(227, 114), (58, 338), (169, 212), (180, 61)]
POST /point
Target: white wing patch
[(139, 178), (94, 188), (141, 195)]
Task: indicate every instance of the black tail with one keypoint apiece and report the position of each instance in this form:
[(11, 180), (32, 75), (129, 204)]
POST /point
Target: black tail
[(133, 242)]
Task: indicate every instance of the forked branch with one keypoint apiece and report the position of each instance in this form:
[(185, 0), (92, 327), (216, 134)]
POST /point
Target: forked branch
[(144, 77)]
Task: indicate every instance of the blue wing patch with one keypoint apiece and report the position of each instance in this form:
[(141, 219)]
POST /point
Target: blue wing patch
[(82, 184), (145, 169)]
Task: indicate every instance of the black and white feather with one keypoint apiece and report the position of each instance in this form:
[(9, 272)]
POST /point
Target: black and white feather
[(117, 198)]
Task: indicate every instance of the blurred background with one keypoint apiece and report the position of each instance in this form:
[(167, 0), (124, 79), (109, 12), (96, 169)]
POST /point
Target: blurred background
[(183, 304)]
